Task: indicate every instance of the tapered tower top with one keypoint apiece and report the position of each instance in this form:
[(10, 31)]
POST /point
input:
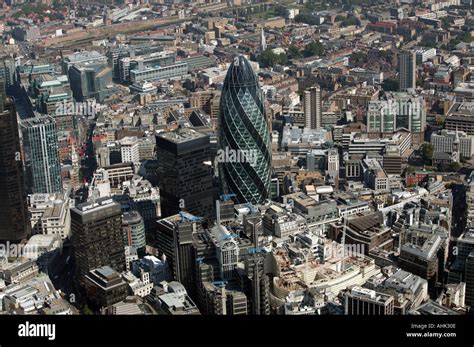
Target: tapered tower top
[(240, 73)]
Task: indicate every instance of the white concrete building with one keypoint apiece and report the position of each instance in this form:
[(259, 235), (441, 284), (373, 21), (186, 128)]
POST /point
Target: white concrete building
[(50, 214), (333, 162), (422, 55), (444, 142), (130, 149), (138, 286)]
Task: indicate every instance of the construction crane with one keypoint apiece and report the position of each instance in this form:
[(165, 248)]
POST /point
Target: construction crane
[(227, 197), (187, 217), (199, 260), (254, 250), (230, 236), (219, 283), (251, 207)]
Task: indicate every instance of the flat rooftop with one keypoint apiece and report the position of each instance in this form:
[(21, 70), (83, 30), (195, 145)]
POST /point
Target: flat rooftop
[(462, 109), (84, 55), (37, 121), (181, 135), (92, 206)]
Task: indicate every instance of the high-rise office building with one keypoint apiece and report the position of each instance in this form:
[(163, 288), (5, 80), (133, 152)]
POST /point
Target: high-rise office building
[(313, 112), (82, 57), (459, 268), (41, 150), (184, 173), (407, 70), (227, 251), (13, 211), (469, 279), (175, 241), (97, 236), (133, 229), (236, 303), (255, 284), (243, 132), (393, 111), (7, 71), (333, 162), (90, 80)]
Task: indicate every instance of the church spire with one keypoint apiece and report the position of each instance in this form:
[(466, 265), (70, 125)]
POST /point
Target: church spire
[(262, 40)]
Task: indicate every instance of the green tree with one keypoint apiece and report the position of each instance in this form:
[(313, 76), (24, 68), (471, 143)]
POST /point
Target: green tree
[(87, 311), (357, 58), (445, 22), (282, 58), (427, 150), (313, 48), (465, 37), (327, 145), (454, 166), (57, 4), (280, 10), (294, 52), (350, 21), (268, 58), (307, 19), (440, 122)]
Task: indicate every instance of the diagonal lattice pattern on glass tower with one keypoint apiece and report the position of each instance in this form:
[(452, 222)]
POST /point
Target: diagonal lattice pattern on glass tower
[(243, 128)]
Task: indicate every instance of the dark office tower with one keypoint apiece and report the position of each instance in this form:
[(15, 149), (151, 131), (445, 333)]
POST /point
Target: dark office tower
[(313, 110), (175, 240), (253, 228), (236, 303), (7, 72), (255, 284), (105, 287), (13, 212), (244, 154), (97, 236), (224, 211), (41, 149), (185, 173), (407, 70), (204, 275), (469, 278)]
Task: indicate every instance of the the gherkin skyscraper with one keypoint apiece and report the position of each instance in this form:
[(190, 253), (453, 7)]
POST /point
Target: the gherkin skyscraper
[(244, 138)]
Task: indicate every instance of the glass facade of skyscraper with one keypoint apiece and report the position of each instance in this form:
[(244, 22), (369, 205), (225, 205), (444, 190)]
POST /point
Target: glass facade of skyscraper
[(40, 143), (243, 128)]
